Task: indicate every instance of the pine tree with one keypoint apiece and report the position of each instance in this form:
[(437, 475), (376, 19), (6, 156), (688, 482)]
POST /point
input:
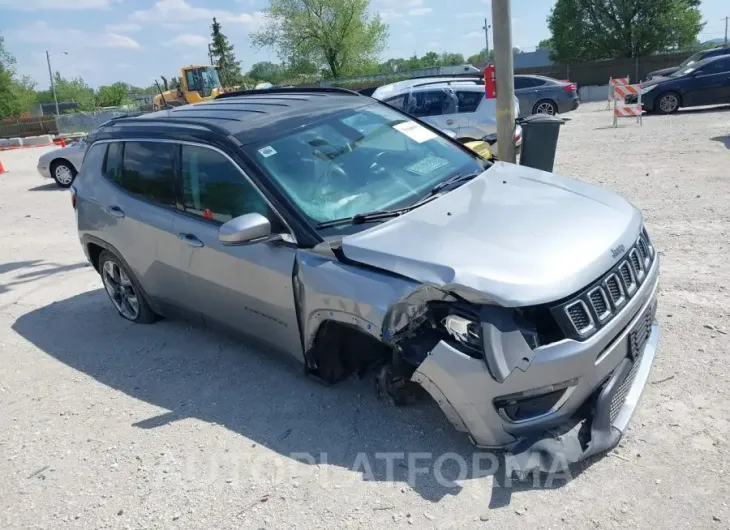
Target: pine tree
[(229, 69)]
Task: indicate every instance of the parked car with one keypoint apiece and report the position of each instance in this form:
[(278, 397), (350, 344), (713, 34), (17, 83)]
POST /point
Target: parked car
[(690, 61), (449, 103), (63, 164), (544, 95), (706, 82), (354, 237)]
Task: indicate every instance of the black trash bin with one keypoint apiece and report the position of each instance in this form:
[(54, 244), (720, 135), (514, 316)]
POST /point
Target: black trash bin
[(539, 140)]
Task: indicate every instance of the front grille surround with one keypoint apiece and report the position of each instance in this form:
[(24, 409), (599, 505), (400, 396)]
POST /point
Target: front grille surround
[(584, 313)]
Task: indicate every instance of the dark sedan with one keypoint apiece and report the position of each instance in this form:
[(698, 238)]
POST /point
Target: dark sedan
[(690, 61), (706, 82), (544, 95)]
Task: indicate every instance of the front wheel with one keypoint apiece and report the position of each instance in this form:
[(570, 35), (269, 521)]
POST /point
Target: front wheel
[(667, 103), (123, 290), (63, 173)]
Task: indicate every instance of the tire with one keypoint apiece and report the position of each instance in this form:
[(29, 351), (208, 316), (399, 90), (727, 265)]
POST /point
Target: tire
[(123, 290), (63, 173), (545, 106), (667, 103)]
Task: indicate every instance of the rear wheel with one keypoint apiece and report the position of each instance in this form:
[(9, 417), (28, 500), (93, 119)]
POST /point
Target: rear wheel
[(63, 173), (667, 103), (545, 106), (123, 290)]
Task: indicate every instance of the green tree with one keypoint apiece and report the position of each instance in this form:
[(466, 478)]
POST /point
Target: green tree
[(430, 60), (545, 43), (585, 30), (339, 36), (452, 59), (229, 69), (266, 71), (16, 92), (112, 95), (481, 57)]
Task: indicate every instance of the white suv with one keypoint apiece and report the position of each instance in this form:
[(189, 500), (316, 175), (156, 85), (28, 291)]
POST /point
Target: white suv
[(449, 103)]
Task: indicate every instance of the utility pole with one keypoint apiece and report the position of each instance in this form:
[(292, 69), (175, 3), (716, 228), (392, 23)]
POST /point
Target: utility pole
[(504, 73), (486, 36), (210, 54), (50, 76)]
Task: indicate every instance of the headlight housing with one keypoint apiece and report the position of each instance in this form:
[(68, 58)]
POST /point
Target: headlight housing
[(464, 330)]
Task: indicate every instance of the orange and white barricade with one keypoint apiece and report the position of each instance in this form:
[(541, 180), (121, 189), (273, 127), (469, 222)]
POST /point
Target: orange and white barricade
[(621, 109), (613, 84)]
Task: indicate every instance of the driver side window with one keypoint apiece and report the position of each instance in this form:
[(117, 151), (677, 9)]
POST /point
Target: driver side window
[(215, 190)]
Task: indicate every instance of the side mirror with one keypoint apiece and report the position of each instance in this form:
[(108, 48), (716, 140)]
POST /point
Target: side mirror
[(248, 228)]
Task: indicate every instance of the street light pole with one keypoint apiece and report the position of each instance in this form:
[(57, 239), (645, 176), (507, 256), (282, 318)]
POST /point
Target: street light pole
[(504, 73), (53, 85), (486, 37)]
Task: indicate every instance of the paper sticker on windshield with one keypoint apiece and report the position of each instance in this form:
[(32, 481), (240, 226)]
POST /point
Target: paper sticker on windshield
[(267, 151), (415, 131), (427, 165)]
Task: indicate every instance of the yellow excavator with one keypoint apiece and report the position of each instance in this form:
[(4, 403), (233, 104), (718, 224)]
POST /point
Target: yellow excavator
[(197, 83)]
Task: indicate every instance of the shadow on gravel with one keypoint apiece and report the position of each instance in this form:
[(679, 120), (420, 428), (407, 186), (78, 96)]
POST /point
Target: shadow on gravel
[(51, 186), (725, 140), (195, 373), (40, 269)]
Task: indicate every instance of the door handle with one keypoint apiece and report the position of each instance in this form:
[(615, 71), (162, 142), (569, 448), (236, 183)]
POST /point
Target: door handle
[(114, 211), (191, 240)]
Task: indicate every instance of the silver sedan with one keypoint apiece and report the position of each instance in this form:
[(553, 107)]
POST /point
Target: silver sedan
[(63, 164)]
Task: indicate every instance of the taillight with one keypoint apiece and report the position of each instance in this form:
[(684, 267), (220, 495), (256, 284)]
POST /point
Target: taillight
[(73, 198), (570, 87)]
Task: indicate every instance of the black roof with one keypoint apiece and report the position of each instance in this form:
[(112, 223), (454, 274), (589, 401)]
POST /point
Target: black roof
[(254, 115)]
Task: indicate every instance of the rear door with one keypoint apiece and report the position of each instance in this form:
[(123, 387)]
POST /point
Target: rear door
[(136, 200), (246, 288), (525, 93)]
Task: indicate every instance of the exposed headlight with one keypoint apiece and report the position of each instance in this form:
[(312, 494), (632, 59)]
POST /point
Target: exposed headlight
[(464, 330)]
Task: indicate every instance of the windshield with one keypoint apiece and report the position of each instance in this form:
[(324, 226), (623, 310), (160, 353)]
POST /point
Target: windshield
[(686, 70), (356, 162), (692, 59), (210, 78)]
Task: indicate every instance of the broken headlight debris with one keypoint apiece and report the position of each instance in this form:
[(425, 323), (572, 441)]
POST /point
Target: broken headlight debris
[(464, 330)]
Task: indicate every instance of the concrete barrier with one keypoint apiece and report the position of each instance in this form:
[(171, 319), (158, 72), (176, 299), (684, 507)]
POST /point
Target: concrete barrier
[(593, 93), (44, 139), (11, 142)]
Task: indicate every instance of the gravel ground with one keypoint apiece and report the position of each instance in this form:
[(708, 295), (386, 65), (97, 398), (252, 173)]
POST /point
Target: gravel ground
[(105, 424)]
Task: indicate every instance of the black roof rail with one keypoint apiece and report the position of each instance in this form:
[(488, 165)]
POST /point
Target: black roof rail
[(462, 80), (287, 90), (165, 120)]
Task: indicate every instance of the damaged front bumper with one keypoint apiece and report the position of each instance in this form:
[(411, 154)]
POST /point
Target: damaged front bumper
[(597, 384)]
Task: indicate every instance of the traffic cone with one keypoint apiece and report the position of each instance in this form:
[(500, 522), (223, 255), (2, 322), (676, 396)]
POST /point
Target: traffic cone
[(2, 168), (62, 143)]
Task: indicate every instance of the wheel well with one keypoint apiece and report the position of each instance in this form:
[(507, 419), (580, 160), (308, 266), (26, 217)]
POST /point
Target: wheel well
[(59, 160), (679, 97), (544, 100), (339, 350), (94, 253)]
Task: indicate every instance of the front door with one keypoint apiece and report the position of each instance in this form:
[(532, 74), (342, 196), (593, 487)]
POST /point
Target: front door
[(710, 86), (247, 287)]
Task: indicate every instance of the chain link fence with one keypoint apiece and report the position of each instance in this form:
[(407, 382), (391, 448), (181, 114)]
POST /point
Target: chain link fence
[(85, 122)]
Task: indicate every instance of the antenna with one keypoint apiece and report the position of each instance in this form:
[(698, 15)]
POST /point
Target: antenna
[(164, 101)]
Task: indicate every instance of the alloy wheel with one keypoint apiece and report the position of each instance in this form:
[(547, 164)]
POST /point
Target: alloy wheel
[(545, 108), (668, 103), (120, 290)]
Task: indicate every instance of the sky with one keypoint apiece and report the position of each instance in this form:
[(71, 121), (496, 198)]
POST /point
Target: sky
[(136, 41)]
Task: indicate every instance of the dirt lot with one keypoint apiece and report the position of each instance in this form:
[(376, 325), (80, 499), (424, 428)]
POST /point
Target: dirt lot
[(105, 424)]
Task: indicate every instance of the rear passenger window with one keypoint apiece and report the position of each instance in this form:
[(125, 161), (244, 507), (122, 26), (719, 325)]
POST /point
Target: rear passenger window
[(112, 169), (93, 160), (215, 190), (148, 171), (399, 102), (469, 101)]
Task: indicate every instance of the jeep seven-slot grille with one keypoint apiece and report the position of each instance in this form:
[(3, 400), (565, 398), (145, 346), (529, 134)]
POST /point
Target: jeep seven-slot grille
[(596, 305)]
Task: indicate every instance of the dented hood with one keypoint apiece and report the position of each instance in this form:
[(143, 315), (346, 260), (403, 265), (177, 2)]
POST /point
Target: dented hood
[(513, 236)]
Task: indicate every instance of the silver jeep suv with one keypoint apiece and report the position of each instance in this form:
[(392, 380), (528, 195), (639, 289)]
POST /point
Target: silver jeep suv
[(354, 237)]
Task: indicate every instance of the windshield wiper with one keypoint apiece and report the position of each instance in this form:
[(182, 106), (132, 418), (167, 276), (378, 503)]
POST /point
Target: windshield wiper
[(360, 218), (459, 178)]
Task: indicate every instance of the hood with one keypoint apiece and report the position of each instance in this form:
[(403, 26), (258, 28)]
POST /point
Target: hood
[(514, 236), (663, 72)]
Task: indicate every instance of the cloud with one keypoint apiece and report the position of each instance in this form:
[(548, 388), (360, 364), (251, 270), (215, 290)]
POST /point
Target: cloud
[(390, 14), (187, 39), (59, 5), (43, 33), (176, 11), (124, 27), (473, 14), (420, 11)]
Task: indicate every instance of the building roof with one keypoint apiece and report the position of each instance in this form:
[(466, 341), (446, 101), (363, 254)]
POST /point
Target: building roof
[(254, 114)]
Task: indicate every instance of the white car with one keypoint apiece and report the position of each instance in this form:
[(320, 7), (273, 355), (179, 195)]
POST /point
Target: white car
[(63, 164), (449, 103)]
